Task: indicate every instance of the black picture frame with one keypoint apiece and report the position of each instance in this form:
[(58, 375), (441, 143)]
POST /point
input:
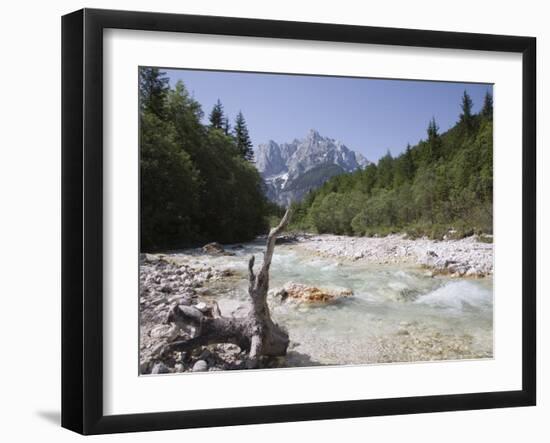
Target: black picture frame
[(82, 218)]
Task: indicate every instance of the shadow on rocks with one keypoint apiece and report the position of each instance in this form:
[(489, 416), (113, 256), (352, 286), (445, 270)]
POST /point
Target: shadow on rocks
[(296, 359)]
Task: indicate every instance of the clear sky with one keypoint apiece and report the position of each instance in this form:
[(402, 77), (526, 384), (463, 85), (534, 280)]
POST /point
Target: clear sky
[(368, 115)]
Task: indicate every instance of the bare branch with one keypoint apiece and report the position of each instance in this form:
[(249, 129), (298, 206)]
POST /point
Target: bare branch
[(271, 238), (251, 275), (255, 352), (282, 224)]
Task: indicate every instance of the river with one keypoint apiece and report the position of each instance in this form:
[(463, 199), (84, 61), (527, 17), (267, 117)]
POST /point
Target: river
[(399, 313)]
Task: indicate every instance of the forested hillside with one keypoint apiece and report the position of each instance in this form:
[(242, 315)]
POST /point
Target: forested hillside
[(444, 183), (197, 181)]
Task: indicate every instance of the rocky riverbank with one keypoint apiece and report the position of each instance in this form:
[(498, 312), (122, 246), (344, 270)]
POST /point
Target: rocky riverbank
[(213, 280), (467, 257), (171, 280), (167, 281)]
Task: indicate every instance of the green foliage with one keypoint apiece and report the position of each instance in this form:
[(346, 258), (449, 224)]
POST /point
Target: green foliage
[(386, 168), (335, 212), (226, 126), (153, 87), (242, 138), (487, 110), (169, 191), (195, 185), (434, 143), (442, 187), (466, 116), (217, 118), (404, 168)]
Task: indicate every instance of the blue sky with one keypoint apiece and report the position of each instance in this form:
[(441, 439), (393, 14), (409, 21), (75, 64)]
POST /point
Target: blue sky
[(368, 115)]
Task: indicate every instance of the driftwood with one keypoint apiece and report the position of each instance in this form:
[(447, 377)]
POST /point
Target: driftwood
[(256, 333)]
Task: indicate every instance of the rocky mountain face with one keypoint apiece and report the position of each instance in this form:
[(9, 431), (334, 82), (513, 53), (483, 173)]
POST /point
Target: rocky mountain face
[(290, 170)]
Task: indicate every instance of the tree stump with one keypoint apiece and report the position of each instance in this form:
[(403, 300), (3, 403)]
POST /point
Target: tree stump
[(256, 333)]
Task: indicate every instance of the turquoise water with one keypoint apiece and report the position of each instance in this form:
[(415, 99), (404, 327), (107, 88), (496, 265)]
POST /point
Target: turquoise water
[(397, 313)]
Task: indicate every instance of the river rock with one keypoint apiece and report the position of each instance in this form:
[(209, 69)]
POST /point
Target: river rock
[(402, 331), (215, 248), (145, 365), (285, 239), (200, 366), (168, 332), (160, 368), (311, 294), (148, 258), (202, 306)]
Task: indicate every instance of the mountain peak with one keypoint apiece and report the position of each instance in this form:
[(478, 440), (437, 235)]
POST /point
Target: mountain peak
[(290, 170), (313, 134)]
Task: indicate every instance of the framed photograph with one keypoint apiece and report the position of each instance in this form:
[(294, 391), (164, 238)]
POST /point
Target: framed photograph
[(268, 221)]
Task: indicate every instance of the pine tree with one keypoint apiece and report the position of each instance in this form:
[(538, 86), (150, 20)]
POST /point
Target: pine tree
[(386, 170), (226, 126), (487, 110), (432, 129), (434, 141), (466, 116), (217, 116), (153, 87), (408, 163), (242, 138)]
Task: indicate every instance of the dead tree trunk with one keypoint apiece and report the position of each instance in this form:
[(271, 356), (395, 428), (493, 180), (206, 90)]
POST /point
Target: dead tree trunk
[(256, 333)]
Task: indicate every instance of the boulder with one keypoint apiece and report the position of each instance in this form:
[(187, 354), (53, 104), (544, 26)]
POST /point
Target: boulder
[(149, 258), (168, 332), (311, 294), (215, 248), (202, 306), (160, 368), (145, 366), (286, 238), (200, 366)]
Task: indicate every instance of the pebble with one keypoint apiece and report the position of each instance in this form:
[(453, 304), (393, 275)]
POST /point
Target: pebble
[(164, 331), (160, 368), (465, 257), (200, 366), (201, 306)]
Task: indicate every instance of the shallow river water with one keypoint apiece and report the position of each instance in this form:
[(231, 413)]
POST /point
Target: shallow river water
[(397, 313)]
